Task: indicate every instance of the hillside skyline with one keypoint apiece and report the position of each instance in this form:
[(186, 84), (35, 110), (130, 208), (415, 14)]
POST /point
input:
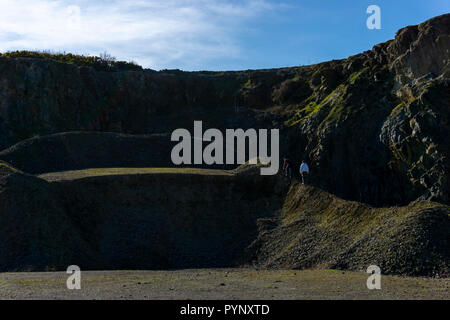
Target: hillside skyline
[(207, 35)]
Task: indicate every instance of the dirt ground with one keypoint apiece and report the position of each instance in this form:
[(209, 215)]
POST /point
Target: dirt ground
[(204, 284)]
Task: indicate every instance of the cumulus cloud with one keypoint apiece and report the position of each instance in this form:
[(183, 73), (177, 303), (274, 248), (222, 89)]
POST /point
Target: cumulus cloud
[(156, 34)]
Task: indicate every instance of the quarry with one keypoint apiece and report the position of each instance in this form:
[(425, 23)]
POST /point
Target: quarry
[(94, 173)]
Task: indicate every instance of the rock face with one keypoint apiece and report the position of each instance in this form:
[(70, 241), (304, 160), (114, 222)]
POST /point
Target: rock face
[(212, 218), (138, 221), (80, 150), (374, 127), (417, 135), (35, 231)]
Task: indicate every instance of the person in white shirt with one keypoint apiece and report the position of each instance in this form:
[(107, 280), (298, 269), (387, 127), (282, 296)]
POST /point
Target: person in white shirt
[(304, 171)]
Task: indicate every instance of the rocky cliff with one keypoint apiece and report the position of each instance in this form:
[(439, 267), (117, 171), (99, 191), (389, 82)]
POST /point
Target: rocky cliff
[(374, 126), (157, 218), (149, 220)]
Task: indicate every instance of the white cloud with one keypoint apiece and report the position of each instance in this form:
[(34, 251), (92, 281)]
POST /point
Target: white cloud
[(156, 34)]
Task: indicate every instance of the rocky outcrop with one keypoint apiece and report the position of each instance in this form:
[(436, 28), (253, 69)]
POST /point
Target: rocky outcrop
[(182, 218), (80, 150), (417, 135), (317, 229), (373, 127), (132, 221), (421, 50), (376, 126)]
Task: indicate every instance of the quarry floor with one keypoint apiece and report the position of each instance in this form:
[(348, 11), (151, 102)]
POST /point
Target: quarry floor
[(204, 284)]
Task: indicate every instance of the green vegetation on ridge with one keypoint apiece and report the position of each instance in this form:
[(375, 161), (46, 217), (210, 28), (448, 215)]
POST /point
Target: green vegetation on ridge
[(103, 62)]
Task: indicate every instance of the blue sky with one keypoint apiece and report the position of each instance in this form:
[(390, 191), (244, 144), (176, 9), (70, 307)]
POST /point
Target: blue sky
[(207, 34)]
